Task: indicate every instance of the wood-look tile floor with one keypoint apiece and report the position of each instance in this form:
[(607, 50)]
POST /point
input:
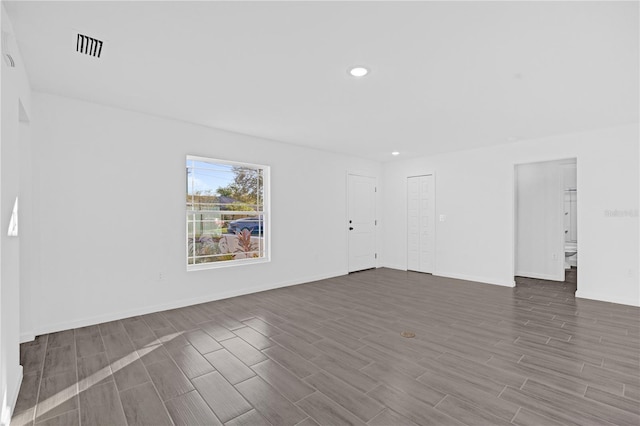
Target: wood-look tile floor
[(330, 352)]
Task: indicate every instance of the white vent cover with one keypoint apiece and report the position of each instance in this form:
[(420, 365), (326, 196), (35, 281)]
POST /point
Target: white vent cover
[(90, 46)]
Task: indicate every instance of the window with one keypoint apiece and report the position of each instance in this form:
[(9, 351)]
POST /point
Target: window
[(227, 213)]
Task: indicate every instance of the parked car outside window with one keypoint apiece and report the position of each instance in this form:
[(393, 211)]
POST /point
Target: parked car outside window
[(253, 224)]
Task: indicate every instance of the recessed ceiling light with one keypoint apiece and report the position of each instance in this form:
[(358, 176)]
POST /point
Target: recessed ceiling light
[(395, 153), (358, 71)]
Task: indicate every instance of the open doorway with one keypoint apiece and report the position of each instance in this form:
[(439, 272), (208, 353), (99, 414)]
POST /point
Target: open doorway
[(546, 232)]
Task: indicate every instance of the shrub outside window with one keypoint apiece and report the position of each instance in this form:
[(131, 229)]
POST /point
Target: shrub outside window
[(226, 213)]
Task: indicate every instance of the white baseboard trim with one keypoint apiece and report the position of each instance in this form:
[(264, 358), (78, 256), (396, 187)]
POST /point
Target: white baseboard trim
[(483, 280), (28, 336), (537, 276), (606, 298), (9, 401), (50, 328), (396, 267)]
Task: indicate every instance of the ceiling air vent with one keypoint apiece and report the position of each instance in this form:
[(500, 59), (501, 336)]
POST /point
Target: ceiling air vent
[(89, 45)]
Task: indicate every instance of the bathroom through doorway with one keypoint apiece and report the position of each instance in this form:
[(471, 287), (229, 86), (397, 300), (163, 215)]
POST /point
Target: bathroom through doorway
[(546, 222)]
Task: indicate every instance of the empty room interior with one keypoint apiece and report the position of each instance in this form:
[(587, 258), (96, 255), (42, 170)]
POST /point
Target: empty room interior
[(320, 213)]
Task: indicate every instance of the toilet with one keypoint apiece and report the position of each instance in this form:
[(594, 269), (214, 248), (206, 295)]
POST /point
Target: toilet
[(570, 250)]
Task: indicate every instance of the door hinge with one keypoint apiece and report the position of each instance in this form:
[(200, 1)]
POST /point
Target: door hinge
[(375, 189), (376, 255), (375, 222)]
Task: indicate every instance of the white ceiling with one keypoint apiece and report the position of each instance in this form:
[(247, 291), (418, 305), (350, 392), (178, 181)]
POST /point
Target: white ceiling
[(444, 75)]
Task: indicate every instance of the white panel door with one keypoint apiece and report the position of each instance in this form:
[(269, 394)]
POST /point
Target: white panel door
[(420, 223), (413, 224), (362, 222)]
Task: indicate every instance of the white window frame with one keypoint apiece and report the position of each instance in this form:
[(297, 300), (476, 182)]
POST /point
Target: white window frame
[(266, 214)]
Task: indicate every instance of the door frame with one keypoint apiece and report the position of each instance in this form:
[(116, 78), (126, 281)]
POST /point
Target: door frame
[(376, 214)]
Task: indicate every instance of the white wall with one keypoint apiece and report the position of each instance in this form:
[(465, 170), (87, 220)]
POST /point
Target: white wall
[(475, 190), (15, 92), (539, 221), (110, 192), (569, 176)]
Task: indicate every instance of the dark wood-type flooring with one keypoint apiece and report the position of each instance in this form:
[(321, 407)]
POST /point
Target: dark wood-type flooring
[(330, 352)]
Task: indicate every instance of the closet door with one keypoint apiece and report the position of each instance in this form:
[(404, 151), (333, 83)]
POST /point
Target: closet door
[(420, 223)]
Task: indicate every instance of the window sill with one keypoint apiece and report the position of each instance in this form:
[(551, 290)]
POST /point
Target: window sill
[(227, 264)]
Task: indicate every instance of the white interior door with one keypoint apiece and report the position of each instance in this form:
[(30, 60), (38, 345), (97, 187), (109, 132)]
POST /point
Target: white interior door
[(539, 215), (420, 223), (362, 222)]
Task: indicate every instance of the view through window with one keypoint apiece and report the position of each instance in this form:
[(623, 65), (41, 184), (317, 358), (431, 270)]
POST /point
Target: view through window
[(226, 215)]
